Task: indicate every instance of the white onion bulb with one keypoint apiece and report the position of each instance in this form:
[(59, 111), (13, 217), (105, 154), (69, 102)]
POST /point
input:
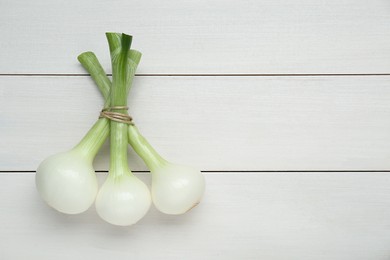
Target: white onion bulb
[(123, 200), (67, 182), (176, 188)]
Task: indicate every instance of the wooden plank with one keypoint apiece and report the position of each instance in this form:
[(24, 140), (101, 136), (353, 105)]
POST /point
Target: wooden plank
[(216, 123), (270, 36), (303, 216)]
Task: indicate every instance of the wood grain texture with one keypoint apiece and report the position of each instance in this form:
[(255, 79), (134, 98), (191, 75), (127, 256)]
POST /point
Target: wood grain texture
[(243, 216), (216, 123), (269, 36)]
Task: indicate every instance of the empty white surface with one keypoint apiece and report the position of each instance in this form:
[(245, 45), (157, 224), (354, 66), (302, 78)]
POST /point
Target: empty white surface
[(204, 36), (290, 216)]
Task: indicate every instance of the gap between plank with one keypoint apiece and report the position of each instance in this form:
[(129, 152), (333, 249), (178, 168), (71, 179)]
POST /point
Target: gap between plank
[(247, 171), (202, 75)]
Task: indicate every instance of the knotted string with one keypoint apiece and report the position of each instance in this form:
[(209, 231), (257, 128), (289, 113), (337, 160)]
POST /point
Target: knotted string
[(116, 116)]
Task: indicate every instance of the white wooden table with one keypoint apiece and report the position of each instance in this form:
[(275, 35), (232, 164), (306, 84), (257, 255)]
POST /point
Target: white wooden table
[(285, 106)]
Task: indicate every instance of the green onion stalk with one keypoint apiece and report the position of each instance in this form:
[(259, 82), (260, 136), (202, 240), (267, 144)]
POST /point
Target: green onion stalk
[(123, 199)]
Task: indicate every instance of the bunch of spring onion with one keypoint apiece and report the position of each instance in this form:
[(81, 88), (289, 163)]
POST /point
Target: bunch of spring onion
[(67, 181)]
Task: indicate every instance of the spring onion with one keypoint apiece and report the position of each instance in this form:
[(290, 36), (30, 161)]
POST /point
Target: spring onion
[(67, 181), (123, 199), (175, 188)]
